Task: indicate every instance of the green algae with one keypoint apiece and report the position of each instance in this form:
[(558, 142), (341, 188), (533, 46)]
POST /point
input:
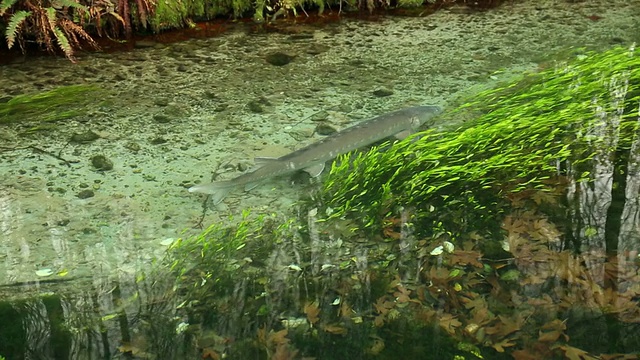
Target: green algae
[(518, 137), (61, 103)]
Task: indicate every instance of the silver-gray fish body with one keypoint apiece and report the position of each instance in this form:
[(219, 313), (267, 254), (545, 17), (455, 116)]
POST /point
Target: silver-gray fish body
[(313, 157)]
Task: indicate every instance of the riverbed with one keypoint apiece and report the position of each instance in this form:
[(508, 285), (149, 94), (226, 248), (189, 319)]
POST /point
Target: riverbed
[(173, 115)]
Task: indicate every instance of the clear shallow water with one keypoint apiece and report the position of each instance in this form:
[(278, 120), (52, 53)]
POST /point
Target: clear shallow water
[(175, 114)]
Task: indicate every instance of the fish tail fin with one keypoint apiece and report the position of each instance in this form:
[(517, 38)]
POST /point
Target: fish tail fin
[(218, 190)]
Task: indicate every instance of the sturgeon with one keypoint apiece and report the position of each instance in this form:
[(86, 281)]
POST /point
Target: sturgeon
[(313, 157)]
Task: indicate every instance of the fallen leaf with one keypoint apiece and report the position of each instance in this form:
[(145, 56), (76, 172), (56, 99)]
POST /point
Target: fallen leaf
[(334, 329), (312, 311), (573, 353), (449, 323), (503, 344), (208, 353)]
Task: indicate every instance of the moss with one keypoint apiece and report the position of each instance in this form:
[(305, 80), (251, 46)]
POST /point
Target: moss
[(519, 134), (58, 104), (180, 13)]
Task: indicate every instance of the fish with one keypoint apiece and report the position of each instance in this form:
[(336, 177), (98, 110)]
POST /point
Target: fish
[(312, 158)]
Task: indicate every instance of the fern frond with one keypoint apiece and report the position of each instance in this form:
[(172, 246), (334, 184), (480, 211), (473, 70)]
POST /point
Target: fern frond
[(74, 30), (59, 4), (116, 16), (5, 5), (63, 42), (51, 17), (14, 23), (143, 9)]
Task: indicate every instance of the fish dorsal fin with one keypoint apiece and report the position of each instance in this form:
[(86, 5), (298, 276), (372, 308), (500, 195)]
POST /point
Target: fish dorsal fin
[(262, 160), (315, 170)]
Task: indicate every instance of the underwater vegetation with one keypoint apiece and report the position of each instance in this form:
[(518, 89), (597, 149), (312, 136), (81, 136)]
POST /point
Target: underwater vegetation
[(453, 245), (520, 138), (48, 106)]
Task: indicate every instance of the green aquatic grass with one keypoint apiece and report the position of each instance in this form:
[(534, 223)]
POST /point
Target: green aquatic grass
[(48, 106), (520, 134)]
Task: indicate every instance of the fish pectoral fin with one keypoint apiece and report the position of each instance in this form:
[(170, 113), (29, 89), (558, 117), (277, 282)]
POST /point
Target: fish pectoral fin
[(315, 170), (251, 186), (217, 191), (219, 195), (403, 134)]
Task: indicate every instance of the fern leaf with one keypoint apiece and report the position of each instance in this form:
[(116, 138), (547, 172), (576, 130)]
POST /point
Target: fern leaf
[(14, 23), (59, 4), (117, 16), (51, 16), (5, 5), (63, 42)]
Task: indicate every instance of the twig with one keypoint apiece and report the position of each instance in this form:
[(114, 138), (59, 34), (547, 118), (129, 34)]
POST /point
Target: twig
[(38, 150)]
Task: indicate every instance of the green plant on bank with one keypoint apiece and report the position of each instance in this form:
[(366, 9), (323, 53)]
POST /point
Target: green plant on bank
[(66, 25), (62, 24), (522, 132), (57, 104), (56, 22)]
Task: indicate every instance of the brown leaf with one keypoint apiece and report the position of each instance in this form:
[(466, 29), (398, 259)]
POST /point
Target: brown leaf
[(312, 311), (334, 329), (284, 352), (209, 353), (467, 257), (278, 338), (515, 225), (549, 336), (402, 295), (524, 355), (449, 323), (378, 321), (503, 344), (376, 347), (552, 331), (573, 353), (346, 310), (383, 305)]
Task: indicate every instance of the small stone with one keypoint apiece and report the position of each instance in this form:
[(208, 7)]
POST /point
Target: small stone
[(88, 231), (141, 44), (317, 49), (279, 59), (176, 110), (161, 102), (320, 116), (132, 146), (208, 94), (325, 129), (255, 107), (159, 140), (382, 92), (161, 118), (101, 163), (85, 194), (85, 137)]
